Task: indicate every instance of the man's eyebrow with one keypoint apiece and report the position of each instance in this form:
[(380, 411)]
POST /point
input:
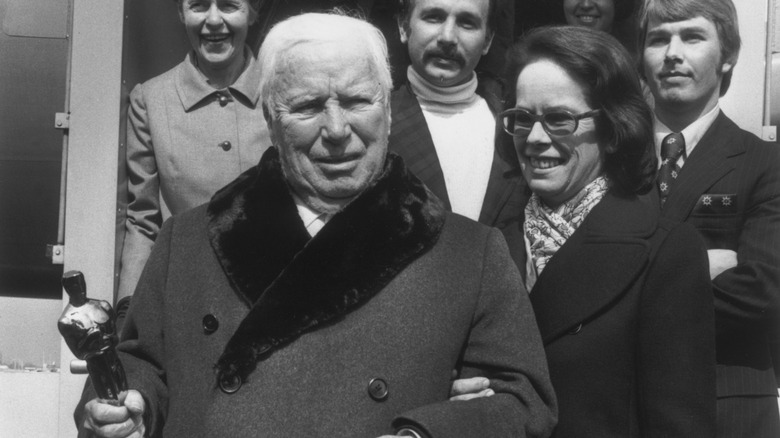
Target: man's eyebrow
[(432, 10), (657, 31), (694, 28), (470, 15)]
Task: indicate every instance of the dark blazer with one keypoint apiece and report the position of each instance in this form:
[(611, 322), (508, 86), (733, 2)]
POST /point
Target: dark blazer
[(729, 189), (242, 325), (626, 317), (410, 138)]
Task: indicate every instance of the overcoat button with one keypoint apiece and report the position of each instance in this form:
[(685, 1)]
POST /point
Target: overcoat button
[(377, 389), (229, 385), (223, 100), (225, 145), (576, 330), (210, 324)]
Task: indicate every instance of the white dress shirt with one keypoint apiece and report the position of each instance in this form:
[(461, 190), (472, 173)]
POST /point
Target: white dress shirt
[(692, 134), (312, 220)]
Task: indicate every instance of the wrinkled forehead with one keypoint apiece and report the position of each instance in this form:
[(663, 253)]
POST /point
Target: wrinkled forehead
[(347, 65)]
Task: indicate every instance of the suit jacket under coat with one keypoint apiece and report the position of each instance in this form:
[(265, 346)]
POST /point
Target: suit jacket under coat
[(741, 176), (626, 317), (410, 138), (383, 291)]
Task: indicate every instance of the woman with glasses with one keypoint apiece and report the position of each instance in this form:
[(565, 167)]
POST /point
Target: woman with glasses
[(621, 297)]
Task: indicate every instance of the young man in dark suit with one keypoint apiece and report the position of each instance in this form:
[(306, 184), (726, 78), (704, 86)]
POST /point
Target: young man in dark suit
[(443, 118), (726, 182)]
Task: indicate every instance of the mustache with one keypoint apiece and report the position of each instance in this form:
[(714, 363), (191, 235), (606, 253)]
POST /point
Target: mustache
[(446, 54)]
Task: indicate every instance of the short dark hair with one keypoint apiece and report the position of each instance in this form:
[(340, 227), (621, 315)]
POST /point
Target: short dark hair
[(598, 60), (407, 6), (720, 12)]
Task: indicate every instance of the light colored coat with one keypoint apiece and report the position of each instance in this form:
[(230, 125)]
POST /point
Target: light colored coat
[(185, 141)]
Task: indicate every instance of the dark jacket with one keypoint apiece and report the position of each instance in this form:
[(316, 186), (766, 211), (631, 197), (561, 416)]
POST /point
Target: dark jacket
[(729, 189), (410, 138), (242, 325), (626, 317)]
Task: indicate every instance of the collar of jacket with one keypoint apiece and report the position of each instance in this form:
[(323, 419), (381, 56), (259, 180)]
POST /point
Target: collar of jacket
[(295, 283), (488, 88), (597, 264), (193, 87)]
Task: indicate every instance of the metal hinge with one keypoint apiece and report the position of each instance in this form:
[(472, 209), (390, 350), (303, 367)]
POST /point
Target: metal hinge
[(62, 120), (56, 253), (769, 133)]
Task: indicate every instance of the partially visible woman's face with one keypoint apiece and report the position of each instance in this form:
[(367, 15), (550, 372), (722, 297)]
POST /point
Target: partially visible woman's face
[(556, 168), (596, 14), (217, 30)]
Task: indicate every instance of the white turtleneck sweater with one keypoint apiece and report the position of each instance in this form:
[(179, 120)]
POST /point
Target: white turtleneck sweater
[(463, 129)]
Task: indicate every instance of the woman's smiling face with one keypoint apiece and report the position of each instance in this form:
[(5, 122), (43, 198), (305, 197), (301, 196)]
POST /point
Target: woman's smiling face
[(217, 30), (556, 168), (596, 14)]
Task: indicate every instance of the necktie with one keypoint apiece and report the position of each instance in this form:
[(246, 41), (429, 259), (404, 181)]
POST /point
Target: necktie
[(672, 148)]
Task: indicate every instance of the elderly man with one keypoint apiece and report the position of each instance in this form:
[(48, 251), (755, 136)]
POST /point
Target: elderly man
[(326, 292), (726, 182), (444, 118)]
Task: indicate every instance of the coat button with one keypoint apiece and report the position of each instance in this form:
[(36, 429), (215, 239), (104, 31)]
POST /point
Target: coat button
[(229, 384), (377, 389), (223, 100), (210, 324), (225, 145), (576, 330)]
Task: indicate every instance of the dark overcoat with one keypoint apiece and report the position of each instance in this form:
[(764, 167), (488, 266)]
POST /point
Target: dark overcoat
[(626, 317), (244, 326)]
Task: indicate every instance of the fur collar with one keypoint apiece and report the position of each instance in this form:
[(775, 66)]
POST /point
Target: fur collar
[(295, 283)]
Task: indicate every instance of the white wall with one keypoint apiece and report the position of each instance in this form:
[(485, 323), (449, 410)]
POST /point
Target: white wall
[(744, 102), (90, 213)]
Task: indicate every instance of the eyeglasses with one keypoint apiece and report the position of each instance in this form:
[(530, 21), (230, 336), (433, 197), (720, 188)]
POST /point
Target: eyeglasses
[(519, 122)]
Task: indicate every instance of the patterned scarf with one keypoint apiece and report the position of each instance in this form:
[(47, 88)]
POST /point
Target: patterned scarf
[(546, 230)]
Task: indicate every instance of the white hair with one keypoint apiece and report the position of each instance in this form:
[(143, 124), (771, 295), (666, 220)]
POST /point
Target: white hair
[(319, 27)]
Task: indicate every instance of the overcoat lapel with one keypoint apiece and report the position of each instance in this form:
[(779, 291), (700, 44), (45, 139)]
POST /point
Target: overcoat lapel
[(411, 138), (709, 162), (296, 284), (597, 265)]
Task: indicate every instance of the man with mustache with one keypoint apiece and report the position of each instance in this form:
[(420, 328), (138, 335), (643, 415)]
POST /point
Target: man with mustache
[(443, 118), (726, 182)]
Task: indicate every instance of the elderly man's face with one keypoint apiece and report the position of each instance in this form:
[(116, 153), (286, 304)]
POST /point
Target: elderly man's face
[(446, 38), (332, 122)]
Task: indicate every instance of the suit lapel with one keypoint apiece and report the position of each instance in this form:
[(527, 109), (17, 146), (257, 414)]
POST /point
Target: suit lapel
[(500, 187), (410, 138), (708, 163), (597, 265)]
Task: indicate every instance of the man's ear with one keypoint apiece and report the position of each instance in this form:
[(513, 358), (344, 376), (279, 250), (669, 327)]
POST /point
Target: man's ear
[(403, 29), (180, 10), (488, 42), (267, 117), (727, 66)]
